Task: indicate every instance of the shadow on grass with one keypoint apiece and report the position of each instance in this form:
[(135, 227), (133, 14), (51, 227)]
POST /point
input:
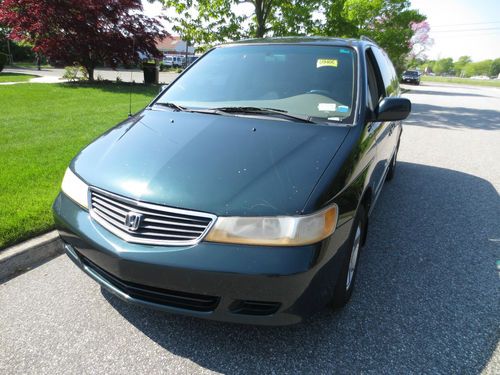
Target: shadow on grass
[(115, 87), (426, 297)]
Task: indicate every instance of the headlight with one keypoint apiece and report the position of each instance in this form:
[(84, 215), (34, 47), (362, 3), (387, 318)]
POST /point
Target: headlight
[(275, 230), (75, 188)]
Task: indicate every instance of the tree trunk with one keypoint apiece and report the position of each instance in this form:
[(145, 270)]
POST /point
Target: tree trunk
[(260, 17), (90, 72), (11, 59)]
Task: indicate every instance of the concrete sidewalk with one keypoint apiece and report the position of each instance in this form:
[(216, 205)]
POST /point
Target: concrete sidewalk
[(53, 75)]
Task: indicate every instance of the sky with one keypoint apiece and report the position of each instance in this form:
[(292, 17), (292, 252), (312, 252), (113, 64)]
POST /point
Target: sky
[(462, 27), (458, 27)]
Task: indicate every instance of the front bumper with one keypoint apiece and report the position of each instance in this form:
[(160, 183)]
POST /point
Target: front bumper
[(234, 283)]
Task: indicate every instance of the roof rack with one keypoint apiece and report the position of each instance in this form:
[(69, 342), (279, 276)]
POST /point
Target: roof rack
[(363, 37)]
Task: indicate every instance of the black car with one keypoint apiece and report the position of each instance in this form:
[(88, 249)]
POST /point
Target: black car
[(242, 192), (411, 76)]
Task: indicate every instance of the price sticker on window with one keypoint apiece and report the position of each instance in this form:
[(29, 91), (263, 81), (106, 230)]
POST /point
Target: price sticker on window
[(327, 62)]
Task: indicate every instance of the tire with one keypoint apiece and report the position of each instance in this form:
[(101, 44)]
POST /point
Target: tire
[(392, 167), (347, 276)]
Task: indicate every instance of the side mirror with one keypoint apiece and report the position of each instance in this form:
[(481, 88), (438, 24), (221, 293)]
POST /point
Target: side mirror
[(163, 88), (393, 109)]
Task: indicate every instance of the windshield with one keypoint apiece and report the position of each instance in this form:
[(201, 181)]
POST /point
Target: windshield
[(315, 81), (410, 73)]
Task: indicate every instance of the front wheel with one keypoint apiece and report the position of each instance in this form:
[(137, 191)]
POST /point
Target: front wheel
[(345, 283)]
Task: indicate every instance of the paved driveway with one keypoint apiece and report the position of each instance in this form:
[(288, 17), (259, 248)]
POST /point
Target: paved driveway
[(426, 299)]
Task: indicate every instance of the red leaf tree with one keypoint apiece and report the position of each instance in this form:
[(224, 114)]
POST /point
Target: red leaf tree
[(88, 32)]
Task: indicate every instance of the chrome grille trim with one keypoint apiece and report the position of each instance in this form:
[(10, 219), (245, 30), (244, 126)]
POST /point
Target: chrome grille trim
[(160, 225)]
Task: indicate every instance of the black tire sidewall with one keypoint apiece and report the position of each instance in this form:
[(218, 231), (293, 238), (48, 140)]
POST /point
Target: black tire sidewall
[(341, 294)]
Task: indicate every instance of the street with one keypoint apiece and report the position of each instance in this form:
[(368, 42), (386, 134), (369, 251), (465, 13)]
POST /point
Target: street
[(427, 296)]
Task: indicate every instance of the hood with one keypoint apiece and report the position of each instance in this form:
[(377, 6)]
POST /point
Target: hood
[(225, 165)]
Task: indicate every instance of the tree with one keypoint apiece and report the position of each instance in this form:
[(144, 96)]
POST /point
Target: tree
[(420, 40), (443, 66), (216, 21), (460, 64), (480, 68), (87, 32), (388, 22), (495, 68)]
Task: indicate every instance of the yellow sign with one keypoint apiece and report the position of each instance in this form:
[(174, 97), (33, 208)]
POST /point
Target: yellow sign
[(327, 62)]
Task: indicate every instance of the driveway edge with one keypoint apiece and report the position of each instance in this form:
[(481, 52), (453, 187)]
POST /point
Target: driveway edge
[(20, 258)]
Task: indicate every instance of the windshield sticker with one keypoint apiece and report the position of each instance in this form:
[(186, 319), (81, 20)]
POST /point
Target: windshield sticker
[(327, 62), (345, 51), (342, 109), (327, 107)]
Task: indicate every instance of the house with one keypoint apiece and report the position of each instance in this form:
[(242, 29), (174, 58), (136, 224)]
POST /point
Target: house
[(173, 45)]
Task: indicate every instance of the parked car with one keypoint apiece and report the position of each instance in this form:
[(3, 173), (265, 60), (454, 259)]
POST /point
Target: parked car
[(174, 60), (241, 194), (411, 76)]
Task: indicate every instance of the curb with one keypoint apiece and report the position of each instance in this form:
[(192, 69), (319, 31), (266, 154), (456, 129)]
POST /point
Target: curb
[(20, 258)]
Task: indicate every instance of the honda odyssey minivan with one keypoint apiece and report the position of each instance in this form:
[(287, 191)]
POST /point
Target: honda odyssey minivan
[(243, 191)]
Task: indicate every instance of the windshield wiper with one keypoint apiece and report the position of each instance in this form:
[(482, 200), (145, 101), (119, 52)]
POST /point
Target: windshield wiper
[(177, 107), (265, 111), (233, 110)]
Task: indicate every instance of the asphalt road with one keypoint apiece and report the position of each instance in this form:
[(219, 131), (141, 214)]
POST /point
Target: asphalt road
[(427, 296)]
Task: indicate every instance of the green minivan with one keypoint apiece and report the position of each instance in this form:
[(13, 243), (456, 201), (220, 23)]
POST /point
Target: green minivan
[(242, 192)]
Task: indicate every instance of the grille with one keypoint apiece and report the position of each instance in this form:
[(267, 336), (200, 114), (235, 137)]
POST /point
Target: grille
[(146, 223), (182, 300)]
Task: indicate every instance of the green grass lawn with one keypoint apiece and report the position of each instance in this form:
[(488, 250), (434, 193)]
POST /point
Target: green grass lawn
[(462, 81), (15, 77), (43, 126)]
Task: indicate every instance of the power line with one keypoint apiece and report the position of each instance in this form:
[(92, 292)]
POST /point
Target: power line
[(466, 24), (462, 36), (465, 30)]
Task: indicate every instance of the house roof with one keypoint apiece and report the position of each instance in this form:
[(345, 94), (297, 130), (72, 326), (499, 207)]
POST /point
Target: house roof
[(168, 43)]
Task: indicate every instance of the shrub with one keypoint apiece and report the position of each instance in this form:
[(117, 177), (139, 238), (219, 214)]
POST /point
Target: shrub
[(75, 73)]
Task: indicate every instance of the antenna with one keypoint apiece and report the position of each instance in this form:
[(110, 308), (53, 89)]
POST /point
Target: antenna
[(131, 82)]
